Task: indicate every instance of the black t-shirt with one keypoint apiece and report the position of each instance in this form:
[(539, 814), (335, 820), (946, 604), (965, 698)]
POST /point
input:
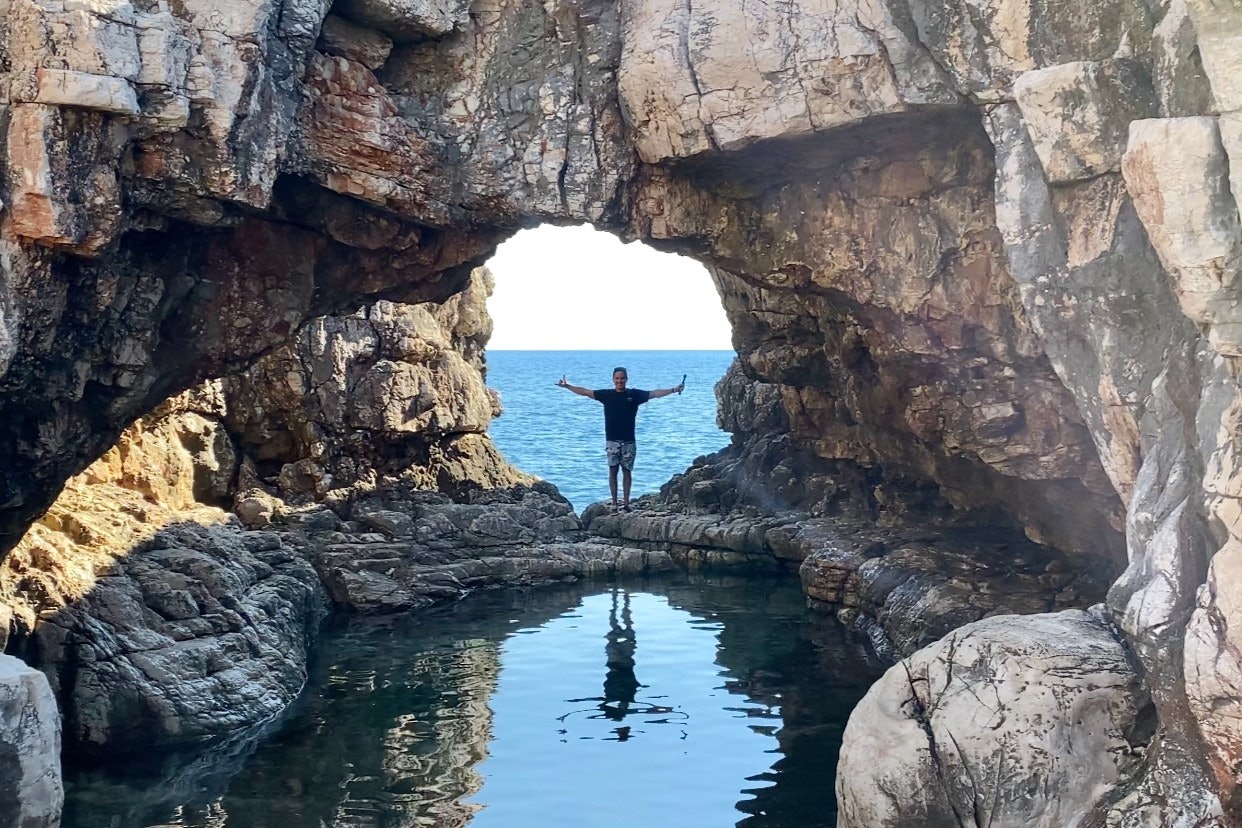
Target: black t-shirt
[(620, 410)]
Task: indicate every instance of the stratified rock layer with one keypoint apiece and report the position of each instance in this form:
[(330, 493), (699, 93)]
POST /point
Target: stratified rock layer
[(162, 619), (389, 390)]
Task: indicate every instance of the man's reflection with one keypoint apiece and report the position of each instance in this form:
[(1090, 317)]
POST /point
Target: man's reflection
[(620, 683)]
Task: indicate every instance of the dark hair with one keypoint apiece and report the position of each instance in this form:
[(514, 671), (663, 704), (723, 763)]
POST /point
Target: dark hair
[(623, 371)]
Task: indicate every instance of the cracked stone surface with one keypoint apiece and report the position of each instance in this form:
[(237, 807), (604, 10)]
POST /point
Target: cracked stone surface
[(31, 738), (1007, 721)]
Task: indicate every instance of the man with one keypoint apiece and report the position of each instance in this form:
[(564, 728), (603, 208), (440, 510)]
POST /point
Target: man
[(620, 410)]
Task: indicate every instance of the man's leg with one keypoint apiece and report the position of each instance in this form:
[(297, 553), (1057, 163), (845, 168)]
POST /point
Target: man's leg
[(628, 452), (612, 483), (612, 448)]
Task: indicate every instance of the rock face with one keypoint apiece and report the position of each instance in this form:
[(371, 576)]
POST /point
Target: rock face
[(155, 619), (408, 551), (977, 257), (1006, 728), (389, 390), (161, 620), (32, 794)]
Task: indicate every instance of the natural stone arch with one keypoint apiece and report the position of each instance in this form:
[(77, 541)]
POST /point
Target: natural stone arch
[(394, 181), (550, 145)]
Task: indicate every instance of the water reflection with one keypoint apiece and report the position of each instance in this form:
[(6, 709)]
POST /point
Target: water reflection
[(498, 712), (621, 685)]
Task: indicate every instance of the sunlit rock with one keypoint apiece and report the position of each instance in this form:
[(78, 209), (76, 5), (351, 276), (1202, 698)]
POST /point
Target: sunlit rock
[(1079, 115), (1178, 173), (391, 390), (1219, 30), (1011, 721), (689, 89), (1177, 70), (945, 299), (29, 747)]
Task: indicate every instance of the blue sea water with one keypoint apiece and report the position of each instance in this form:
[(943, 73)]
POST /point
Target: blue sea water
[(559, 436)]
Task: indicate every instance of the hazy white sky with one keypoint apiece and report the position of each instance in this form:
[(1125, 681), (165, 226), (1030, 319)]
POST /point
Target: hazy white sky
[(576, 288)]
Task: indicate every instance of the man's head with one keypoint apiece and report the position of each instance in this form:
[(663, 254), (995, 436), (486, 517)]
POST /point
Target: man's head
[(619, 377)]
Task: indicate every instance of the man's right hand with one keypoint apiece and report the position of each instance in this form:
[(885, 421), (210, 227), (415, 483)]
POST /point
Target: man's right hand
[(562, 382)]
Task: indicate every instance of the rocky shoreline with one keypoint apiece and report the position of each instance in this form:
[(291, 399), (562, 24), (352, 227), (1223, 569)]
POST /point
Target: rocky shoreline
[(161, 620), (981, 263)]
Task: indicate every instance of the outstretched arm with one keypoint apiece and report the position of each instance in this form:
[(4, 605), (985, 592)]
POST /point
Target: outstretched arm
[(664, 392), (577, 389)]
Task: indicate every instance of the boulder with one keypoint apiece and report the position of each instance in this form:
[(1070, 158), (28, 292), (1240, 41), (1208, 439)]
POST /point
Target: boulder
[(31, 795), (1010, 721)]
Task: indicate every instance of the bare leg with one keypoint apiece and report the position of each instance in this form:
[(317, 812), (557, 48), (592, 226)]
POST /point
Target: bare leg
[(628, 477), (612, 483)]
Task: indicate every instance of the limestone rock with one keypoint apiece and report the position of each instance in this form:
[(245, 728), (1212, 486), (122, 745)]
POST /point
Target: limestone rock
[(1009, 722), (985, 44), (416, 549), (194, 641), (919, 587), (748, 407), (1230, 125), (349, 40), (82, 581), (390, 390), (926, 325), (1177, 171), (30, 745), (694, 541), (547, 139), (810, 66), (1211, 668), (255, 508), (60, 87), (1079, 115), (407, 19), (1219, 29), (940, 376), (197, 627), (1177, 71), (192, 629), (70, 193)]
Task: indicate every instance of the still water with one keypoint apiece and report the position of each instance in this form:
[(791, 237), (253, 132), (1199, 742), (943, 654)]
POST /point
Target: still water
[(686, 701)]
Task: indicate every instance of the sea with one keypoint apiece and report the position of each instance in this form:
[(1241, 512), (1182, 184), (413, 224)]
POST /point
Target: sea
[(557, 435)]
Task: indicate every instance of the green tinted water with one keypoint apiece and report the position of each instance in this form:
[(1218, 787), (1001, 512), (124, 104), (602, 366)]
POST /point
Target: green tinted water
[(674, 702)]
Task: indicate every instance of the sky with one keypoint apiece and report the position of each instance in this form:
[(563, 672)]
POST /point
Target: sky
[(580, 289)]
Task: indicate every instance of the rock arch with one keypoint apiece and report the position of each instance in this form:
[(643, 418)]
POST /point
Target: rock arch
[(964, 245)]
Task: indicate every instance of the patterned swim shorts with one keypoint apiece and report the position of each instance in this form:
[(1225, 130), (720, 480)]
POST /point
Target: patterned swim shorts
[(621, 453)]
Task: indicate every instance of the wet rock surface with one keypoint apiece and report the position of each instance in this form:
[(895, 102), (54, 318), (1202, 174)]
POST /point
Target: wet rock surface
[(909, 584), (412, 552)]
